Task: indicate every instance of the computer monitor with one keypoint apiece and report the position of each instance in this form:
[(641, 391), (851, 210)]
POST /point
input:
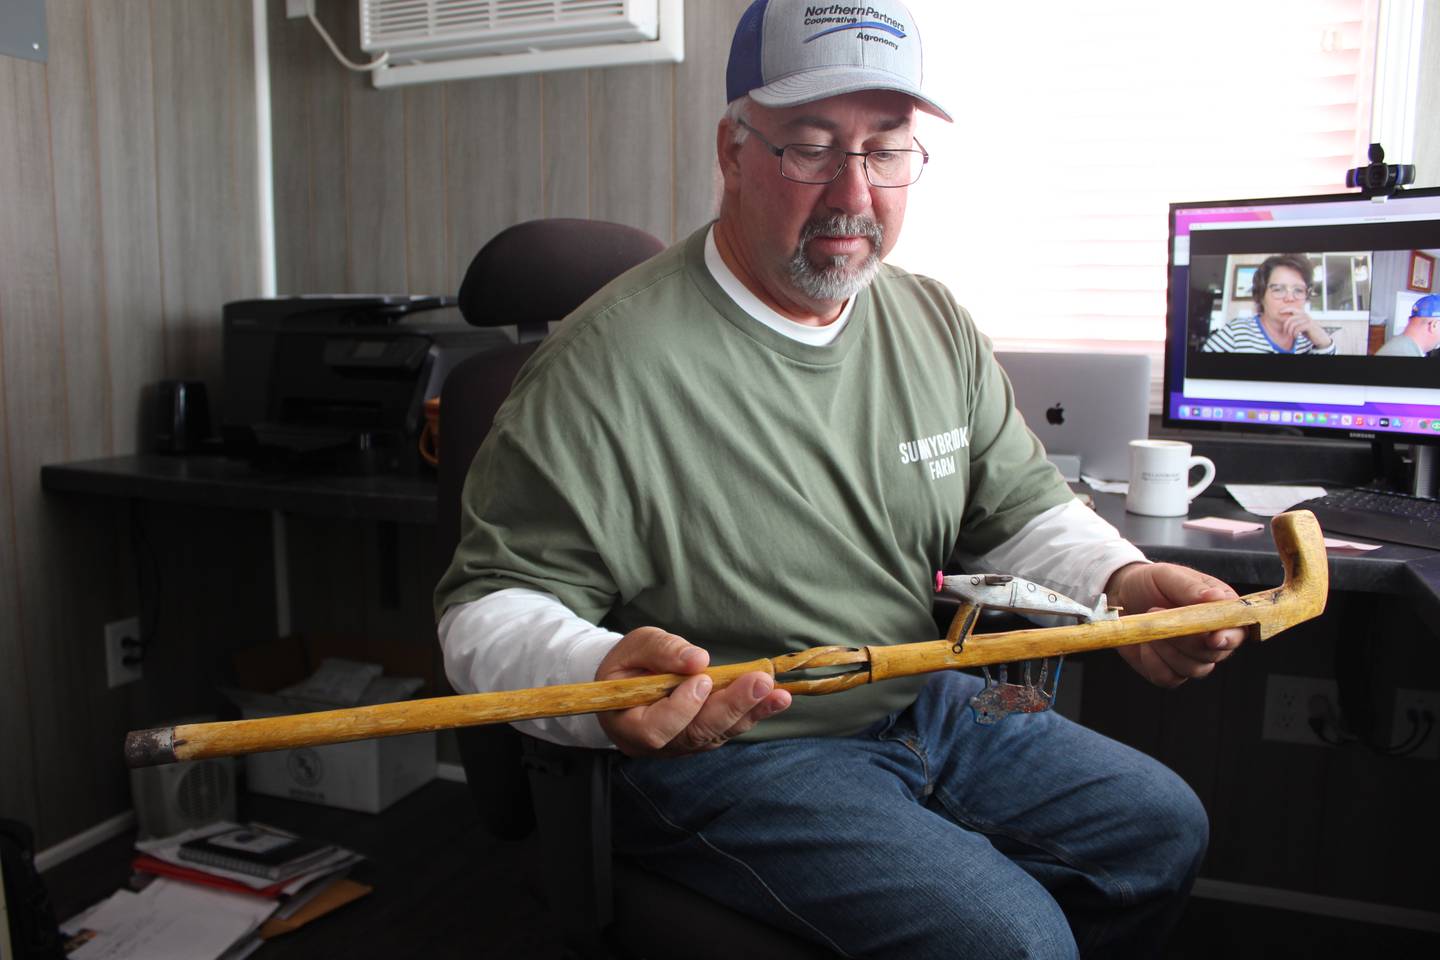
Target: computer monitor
[(1233, 358)]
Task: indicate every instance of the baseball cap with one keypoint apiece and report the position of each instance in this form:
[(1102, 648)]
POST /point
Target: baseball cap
[(789, 52), (1426, 307)]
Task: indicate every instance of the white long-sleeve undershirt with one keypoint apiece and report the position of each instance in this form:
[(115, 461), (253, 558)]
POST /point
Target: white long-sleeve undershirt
[(518, 638)]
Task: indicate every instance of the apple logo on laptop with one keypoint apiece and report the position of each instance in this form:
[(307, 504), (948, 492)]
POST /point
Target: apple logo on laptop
[(1055, 415)]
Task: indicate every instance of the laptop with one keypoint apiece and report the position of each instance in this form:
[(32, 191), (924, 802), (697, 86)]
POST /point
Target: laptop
[(1084, 407)]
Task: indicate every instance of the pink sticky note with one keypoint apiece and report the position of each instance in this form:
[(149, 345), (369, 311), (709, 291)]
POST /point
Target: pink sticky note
[(1234, 528)]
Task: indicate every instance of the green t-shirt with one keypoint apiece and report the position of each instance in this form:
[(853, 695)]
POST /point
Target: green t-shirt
[(666, 460)]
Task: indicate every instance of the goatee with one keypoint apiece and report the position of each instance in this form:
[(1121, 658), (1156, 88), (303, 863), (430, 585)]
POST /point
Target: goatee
[(840, 279)]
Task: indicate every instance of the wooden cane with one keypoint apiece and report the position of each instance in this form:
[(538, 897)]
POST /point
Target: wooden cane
[(1264, 614)]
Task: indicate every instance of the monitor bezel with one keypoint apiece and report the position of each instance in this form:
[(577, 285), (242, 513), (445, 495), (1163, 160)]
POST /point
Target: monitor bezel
[(1246, 427)]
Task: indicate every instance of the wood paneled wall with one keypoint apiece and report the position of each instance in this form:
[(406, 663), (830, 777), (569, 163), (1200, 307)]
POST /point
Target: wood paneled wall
[(395, 190), (127, 216)]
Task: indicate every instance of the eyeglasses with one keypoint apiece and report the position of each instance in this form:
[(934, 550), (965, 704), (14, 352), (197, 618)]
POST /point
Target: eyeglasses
[(1289, 293), (816, 163)]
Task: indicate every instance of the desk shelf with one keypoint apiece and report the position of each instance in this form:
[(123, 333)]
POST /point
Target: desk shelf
[(236, 484)]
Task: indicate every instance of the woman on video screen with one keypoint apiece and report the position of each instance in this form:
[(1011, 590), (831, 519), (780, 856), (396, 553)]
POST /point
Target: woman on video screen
[(1284, 325)]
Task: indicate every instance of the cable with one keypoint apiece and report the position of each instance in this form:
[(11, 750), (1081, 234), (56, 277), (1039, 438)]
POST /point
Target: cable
[(375, 64), (1405, 747), (1323, 721)]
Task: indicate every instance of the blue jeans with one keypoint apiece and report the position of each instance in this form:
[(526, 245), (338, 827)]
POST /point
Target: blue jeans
[(928, 835)]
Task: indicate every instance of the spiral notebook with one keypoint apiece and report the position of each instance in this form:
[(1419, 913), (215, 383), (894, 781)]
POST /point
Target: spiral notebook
[(257, 850)]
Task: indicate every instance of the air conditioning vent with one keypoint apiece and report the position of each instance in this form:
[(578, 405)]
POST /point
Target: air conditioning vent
[(432, 30)]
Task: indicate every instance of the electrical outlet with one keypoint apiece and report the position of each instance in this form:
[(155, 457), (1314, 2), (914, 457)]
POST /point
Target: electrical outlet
[(298, 9), (1290, 702), (1419, 733), (117, 671)]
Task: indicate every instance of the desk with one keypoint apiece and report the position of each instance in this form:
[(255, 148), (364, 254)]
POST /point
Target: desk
[(222, 482), (352, 555), (1366, 845), (1409, 572), (1396, 570)]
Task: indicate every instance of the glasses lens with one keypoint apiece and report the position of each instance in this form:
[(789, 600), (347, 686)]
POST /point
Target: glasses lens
[(809, 163), (1281, 290), (893, 168)]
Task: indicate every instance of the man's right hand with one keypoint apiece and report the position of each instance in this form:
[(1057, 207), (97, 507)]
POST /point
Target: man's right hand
[(693, 717)]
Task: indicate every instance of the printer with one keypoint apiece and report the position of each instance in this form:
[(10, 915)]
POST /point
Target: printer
[(337, 383)]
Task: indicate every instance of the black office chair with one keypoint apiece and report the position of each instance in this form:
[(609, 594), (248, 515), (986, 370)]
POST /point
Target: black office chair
[(527, 276)]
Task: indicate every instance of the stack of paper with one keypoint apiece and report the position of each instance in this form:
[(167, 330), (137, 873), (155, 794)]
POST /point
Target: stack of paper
[(170, 919), (206, 911)]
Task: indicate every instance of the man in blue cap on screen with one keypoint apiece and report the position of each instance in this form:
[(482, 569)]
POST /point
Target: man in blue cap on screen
[(767, 439), (1421, 333)]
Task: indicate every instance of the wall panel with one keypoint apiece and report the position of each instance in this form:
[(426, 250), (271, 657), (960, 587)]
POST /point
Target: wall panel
[(492, 171), (699, 104), (375, 165), (294, 54), (309, 106), (425, 207), (122, 64), (35, 432), (28, 301), (631, 167), (566, 145), (204, 94), (79, 260)]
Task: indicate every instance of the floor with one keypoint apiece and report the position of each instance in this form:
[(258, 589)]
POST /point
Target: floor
[(444, 889)]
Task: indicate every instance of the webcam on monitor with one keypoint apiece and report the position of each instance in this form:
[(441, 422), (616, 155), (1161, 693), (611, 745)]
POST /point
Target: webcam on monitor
[(1378, 177)]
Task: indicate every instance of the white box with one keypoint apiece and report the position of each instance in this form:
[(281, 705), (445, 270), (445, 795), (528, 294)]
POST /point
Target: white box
[(365, 775)]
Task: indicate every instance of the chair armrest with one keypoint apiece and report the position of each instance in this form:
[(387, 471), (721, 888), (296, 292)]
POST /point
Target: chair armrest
[(570, 788)]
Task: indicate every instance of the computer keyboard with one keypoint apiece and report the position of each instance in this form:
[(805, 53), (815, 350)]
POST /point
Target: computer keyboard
[(1379, 515)]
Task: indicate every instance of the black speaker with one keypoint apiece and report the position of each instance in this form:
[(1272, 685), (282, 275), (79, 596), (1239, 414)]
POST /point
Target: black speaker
[(182, 416)]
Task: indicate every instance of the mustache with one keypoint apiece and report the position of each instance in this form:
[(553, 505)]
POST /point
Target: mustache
[(843, 225)]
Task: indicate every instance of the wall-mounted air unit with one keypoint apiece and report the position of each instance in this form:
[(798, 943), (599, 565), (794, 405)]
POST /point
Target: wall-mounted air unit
[(429, 40)]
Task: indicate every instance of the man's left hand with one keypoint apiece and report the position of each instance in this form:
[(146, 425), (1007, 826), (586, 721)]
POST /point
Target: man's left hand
[(1144, 587)]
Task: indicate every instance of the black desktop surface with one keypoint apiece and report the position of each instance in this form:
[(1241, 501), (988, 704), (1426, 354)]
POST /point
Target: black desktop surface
[(1251, 559), (238, 484)]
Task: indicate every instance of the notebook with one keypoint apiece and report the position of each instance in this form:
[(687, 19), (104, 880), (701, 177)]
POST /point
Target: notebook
[(1084, 407), (257, 850)]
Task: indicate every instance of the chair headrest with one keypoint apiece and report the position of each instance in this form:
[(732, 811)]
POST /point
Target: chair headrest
[(540, 270)]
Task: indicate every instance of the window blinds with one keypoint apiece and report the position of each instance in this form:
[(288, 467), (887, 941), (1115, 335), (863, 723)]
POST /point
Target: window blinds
[(1044, 206)]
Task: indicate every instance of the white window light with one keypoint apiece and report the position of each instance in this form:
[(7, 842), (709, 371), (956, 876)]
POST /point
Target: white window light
[(1044, 205)]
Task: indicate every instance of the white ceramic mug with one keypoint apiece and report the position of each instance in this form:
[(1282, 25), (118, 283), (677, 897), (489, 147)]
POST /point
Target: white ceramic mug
[(1160, 478)]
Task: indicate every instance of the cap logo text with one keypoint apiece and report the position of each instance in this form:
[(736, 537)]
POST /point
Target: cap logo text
[(852, 18)]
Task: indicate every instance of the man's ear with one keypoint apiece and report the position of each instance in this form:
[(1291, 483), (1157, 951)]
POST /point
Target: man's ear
[(727, 151)]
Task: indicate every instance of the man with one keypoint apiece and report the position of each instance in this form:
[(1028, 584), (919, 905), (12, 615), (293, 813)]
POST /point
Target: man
[(766, 439), (1421, 334)]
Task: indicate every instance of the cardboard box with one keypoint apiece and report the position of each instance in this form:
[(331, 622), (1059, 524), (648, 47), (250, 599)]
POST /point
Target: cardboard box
[(364, 775)]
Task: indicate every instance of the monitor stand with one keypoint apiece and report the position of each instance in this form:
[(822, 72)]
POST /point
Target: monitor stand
[(1425, 456), (1391, 471)]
